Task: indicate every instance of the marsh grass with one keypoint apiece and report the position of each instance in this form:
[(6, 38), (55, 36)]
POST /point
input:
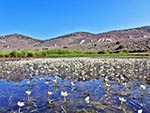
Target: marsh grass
[(56, 52)]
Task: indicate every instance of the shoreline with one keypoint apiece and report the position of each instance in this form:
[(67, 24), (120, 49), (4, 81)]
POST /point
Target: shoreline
[(65, 57)]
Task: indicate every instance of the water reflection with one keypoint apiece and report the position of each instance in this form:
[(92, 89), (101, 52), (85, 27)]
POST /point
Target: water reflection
[(102, 98), (75, 86)]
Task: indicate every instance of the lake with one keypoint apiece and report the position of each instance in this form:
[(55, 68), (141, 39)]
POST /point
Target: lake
[(75, 85)]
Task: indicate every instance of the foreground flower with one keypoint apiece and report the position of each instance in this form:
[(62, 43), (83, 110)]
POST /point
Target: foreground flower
[(20, 104), (72, 83), (49, 100), (140, 111), (143, 87), (55, 81), (28, 92), (28, 82), (122, 99), (122, 106), (87, 99), (64, 94), (49, 93), (47, 82)]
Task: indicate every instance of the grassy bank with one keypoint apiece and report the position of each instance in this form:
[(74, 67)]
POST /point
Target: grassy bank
[(63, 53)]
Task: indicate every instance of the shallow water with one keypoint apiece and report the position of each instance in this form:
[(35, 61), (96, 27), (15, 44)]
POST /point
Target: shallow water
[(104, 81)]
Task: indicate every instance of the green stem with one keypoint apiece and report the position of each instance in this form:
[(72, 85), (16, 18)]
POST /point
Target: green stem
[(28, 97), (64, 99), (124, 110), (19, 110)]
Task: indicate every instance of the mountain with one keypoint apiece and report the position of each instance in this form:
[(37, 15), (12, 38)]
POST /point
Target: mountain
[(69, 39), (135, 39), (17, 41), (145, 29)]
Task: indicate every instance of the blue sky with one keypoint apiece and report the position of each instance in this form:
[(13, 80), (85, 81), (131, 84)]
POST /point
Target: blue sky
[(45, 19)]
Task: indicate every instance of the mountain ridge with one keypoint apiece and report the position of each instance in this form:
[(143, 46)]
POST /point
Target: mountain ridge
[(81, 40)]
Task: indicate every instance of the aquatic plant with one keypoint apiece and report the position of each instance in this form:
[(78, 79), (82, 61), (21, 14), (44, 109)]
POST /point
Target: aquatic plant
[(64, 94), (87, 99), (46, 82), (97, 85), (140, 111), (49, 94), (20, 104), (28, 94), (122, 106), (143, 89), (122, 100)]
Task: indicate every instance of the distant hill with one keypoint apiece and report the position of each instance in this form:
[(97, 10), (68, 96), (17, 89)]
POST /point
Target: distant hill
[(18, 41), (135, 39), (69, 39)]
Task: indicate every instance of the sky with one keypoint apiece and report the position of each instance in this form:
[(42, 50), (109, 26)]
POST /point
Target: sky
[(45, 19)]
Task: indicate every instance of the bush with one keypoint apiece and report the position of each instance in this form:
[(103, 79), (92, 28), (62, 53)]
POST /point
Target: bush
[(124, 50), (30, 54), (4, 53), (105, 51), (63, 51), (13, 54), (90, 52), (41, 53), (65, 47)]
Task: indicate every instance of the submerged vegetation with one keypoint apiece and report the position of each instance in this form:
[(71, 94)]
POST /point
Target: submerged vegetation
[(64, 53), (75, 85)]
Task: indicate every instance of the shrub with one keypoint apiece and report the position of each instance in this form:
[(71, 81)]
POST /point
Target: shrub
[(4, 53), (90, 52), (62, 51), (13, 54), (65, 47), (105, 51), (124, 50), (30, 54)]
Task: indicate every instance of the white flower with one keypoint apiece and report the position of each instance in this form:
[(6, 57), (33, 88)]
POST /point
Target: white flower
[(28, 92), (20, 104), (122, 99), (49, 93), (106, 79), (107, 85), (64, 94), (47, 82), (31, 68), (121, 77), (140, 111), (55, 81), (143, 87), (87, 99), (28, 82), (56, 77), (72, 84), (124, 84)]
